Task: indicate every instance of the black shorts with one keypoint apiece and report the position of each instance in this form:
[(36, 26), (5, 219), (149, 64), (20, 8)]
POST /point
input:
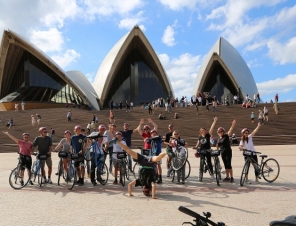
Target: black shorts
[(226, 157), (27, 162), (79, 162)]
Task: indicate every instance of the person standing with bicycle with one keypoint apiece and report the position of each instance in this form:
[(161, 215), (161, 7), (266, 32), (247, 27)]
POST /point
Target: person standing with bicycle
[(100, 153), (76, 146), (167, 142), (156, 142), (204, 142), (109, 148), (247, 143), (65, 143), (44, 144), (145, 132), (117, 149), (26, 149), (127, 136), (224, 143)]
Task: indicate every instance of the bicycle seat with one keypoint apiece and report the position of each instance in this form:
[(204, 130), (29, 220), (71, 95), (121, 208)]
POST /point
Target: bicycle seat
[(263, 156), (289, 221)]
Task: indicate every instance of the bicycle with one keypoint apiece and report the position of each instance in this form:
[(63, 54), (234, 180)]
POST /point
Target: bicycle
[(178, 157), (217, 166), (36, 167), (199, 220), (70, 175), (187, 171), (289, 221), (20, 176), (92, 152), (203, 166), (268, 168), (123, 167), (62, 155)]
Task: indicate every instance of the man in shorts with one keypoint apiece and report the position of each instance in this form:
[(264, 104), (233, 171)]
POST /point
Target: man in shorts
[(149, 186), (167, 142), (76, 146), (44, 144)]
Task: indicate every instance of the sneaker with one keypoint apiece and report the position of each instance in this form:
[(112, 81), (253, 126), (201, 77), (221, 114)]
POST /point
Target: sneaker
[(159, 182), (231, 180), (178, 182), (31, 182), (248, 182), (94, 183), (169, 172), (115, 182), (212, 177), (183, 182), (257, 181), (22, 183), (226, 179), (49, 181), (120, 181)]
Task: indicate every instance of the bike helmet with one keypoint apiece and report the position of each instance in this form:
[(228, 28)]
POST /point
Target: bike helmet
[(245, 129), (221, 129), (147, 191), (118, 133), (67, 131), (146, 127), (77, 127), (25, 134), (42, 129), (102, 126)]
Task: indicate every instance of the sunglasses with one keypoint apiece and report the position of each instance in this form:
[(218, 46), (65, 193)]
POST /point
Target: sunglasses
[(176, 133), (114, 125)]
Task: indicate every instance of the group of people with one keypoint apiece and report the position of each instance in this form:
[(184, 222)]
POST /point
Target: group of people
[(112, 141), (35, 119)]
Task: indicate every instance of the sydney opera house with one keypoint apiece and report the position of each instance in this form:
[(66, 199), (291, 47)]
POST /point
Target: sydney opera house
[(129, 72)]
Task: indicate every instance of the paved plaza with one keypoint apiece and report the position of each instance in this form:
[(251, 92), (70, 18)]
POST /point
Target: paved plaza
[(255, 204)]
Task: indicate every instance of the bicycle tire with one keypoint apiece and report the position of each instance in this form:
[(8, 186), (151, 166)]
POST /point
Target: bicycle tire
[(177, 163), (89, 153), (122, 173), (172, 175), (105, 172), (201, 168), (127, 170), (271, 168), (187, 169), (60, 166), (15, 178), (71, 177), (136, 171), (39, 175), (219, 165), (245, 172), (217, 169)]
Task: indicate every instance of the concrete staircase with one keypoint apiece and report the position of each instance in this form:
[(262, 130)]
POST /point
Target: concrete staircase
[(278, 130)]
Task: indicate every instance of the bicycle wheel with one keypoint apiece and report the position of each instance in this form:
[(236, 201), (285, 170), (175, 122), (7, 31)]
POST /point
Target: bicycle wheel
[(19, 177), (127, 170), (103, 175), (34, 171), (178, 163), (270, 170), (122, 173), (136, 170), (71, 177), (201, 168), (220, 168), (217, 170), (89, 153), (60, 170), (39, 175), (244, 173), (187, 169)]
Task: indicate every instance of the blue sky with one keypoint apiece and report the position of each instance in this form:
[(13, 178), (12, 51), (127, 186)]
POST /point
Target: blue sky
[(78, 34)]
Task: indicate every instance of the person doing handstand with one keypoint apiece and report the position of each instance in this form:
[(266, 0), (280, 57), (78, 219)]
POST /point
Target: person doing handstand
[(149, 186)]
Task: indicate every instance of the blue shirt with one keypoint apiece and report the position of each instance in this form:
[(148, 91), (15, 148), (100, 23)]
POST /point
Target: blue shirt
[(77, 142), (155, 145)]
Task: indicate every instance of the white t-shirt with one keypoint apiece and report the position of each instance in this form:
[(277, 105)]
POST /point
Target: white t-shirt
[(117, 148), (249, 146)]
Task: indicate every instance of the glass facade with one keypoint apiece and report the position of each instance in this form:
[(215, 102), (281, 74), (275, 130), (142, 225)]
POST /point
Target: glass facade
[(219, 84), (36, 82), (136, 82)]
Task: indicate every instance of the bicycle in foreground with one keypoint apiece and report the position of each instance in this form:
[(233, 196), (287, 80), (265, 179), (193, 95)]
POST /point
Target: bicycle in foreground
[(268, 169), (20, 176), (36, 168), (123, 167), (199, 220), (91, 153)]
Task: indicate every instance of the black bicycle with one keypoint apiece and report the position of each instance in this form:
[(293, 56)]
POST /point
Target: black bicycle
[(217, 165), (268, 169), (61, 172), (199, 220), (203, 165), (123, 167), (20, 176)]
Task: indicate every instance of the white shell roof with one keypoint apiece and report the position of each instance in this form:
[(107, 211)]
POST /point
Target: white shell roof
[(234, 62)]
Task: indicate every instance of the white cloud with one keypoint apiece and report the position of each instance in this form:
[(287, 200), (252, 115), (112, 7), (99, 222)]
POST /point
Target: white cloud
[(168, 37), (67, 58), (178, 5), (181, 72), (282, 53), (279, 85), (130, 22), (107, 8), (48, 41)]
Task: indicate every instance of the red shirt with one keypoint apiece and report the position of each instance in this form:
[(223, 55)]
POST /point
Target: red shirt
[(25, 147), (146, 144)]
